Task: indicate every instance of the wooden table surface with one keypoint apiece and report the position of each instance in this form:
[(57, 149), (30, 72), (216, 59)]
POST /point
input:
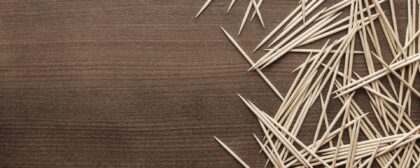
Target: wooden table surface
[(137, 83)]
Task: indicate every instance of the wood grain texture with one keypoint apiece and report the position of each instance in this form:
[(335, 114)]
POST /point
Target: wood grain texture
[(136, 83)]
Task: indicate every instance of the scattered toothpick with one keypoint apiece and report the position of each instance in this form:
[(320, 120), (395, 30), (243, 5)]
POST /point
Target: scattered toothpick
[(232, 153), (203, 8), (231, 5)]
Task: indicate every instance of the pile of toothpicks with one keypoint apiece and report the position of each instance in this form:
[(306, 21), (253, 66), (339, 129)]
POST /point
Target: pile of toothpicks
[(328, 73)]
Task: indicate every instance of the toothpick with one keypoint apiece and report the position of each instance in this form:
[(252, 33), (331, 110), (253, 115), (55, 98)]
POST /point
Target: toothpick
[(245, 17), (255, 12), (303, 4), (231, 5), (303, 50), (231, 153), (267, 153), (203, 8), (257, 9)]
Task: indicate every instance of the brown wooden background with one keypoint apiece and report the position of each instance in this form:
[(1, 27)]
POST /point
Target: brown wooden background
[(135, 83)]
